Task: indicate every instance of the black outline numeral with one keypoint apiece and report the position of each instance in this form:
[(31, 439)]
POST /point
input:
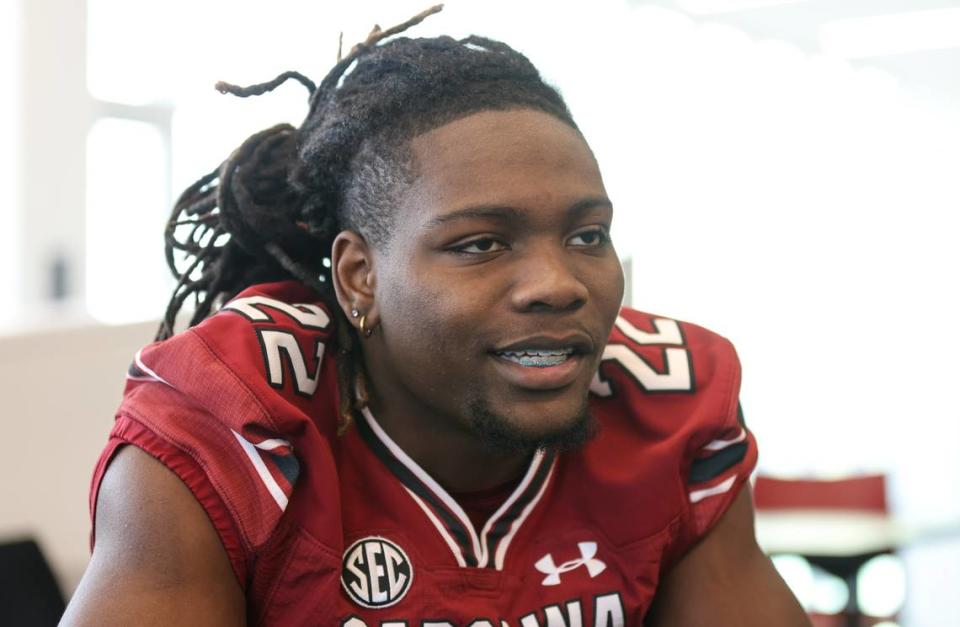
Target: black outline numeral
[(676, 357), (306, 315), (304, 384)]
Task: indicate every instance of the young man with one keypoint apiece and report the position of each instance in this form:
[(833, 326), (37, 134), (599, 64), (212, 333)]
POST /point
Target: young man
[(419, 401)]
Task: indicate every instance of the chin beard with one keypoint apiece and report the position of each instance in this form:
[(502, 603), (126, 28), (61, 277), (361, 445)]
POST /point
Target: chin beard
[(499, 434)]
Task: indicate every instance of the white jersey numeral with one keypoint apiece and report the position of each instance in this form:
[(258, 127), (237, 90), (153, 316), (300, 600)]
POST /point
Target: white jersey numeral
[(277, 343), (668, 332), (307, 315), (677, 373), (274, 344)]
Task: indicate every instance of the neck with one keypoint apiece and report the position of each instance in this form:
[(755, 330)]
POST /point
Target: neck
[(449, 452)]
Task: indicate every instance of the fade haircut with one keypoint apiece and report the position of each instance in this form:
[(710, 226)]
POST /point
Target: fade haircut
[(273, 208)]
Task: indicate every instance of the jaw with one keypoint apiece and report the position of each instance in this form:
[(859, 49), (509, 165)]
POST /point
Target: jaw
[(529, 406), (528, 426)]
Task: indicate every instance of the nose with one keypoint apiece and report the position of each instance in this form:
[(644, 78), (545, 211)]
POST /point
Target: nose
[(546, 282)]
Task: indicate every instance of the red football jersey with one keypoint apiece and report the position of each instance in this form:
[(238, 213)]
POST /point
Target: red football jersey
[(327, 529)]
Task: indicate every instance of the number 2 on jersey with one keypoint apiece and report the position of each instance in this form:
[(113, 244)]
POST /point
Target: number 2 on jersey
[(277, 343), (678, 373)]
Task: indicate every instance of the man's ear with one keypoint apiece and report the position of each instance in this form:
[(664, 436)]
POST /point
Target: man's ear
[(354, 278)]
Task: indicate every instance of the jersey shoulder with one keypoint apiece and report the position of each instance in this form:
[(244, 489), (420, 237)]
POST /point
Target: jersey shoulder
[(231, 404), (660, 355), (668, 393), (265, 357)]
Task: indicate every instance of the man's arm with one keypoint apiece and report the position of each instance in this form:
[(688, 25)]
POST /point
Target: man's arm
[(726, 580), (157, 558)]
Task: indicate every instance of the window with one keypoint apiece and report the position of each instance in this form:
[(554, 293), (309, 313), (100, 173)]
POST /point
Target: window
[(127, 193)]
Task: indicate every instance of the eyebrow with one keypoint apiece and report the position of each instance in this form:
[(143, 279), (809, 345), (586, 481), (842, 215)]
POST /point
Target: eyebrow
[(506, 212)]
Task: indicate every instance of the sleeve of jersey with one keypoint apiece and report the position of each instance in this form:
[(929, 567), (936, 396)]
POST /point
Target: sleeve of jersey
[(128, 431), (243, 483), (225, 404), (680, 384), (720, 452), (717, 472)]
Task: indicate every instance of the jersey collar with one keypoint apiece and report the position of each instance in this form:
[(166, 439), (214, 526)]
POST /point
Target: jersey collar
[(487, 549)]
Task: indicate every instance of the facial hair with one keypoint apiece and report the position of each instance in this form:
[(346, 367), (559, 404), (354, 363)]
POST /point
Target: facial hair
[(498, 433)]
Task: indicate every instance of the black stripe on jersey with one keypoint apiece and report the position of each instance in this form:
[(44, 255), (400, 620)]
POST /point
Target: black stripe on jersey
[(407, 478), (502, 526), (708, 468), (288, 465), (135, 371)]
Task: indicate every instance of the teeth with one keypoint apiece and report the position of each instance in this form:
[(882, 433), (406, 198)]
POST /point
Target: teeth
[(538, 353), (538, 358)]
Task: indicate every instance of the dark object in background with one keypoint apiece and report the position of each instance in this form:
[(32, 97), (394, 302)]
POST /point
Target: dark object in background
[(29, 595), (59, 277)]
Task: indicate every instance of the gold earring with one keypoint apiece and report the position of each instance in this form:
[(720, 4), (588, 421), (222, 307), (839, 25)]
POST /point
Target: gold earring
[(363, 326)]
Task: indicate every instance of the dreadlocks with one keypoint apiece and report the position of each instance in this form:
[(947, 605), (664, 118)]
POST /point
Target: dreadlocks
[(272, 210)]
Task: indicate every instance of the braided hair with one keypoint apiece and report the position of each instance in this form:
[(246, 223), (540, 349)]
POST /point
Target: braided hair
[(271, 211)]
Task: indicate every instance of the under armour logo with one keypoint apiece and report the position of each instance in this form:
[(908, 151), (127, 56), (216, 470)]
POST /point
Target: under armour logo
[(588, 550)]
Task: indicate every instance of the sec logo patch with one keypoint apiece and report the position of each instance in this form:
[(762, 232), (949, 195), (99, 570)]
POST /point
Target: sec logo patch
[(376, 572)]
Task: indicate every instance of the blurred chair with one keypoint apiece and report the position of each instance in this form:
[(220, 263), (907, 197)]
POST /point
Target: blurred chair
[(836, 525), (29, 595)]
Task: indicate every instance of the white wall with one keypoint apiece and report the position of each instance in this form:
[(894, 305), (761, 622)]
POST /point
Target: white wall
[(60, 391), (10, 174), (56, 111)]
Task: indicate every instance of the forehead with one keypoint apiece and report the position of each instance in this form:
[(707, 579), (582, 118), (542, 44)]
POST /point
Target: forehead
[(518, 158)]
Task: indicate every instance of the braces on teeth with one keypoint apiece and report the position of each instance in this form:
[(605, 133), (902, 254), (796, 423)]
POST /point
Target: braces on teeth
[(538, 358)]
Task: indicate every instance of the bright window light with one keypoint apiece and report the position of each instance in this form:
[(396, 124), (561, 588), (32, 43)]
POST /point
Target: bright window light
[(710, 7), (129, 51), (896, 33), (126, 211), (830, 594), (882, 586), (798, 575)]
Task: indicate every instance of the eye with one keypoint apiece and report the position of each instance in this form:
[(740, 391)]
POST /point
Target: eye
[(479, 246), (590, 238)]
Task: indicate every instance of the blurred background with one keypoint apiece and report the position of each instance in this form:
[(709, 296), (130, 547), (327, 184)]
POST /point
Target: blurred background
[(784, 172)]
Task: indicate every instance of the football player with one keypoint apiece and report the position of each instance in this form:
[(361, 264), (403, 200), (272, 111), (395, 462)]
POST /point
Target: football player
[(409, 394)]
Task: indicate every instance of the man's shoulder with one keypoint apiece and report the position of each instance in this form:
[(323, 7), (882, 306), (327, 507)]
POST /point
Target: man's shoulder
[(666, 394), (642, 327), (245, 396), (267, 357), (649, 354)]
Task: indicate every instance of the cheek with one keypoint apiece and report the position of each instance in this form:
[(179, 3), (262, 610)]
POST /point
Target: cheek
[(606, 286), (426, 321), (432, 344)]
